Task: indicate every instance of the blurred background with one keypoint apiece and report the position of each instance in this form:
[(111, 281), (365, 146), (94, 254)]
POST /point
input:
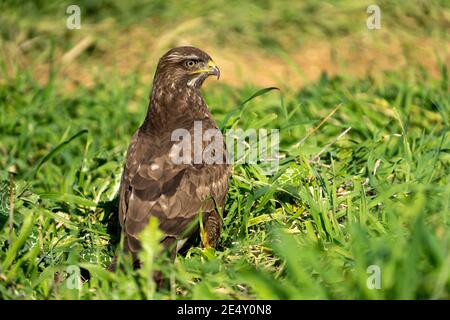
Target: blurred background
[(266, 43)]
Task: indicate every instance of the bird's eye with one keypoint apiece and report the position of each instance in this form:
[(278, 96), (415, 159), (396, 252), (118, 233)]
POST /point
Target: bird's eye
[(190, 63)]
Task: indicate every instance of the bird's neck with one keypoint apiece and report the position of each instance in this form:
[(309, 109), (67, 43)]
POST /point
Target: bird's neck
[(173, 105)]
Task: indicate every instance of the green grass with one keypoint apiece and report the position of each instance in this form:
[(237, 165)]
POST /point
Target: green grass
[(265, 25), (378, 195)]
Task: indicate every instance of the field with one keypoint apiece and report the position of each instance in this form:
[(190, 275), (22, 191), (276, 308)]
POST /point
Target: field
[(357, 209)]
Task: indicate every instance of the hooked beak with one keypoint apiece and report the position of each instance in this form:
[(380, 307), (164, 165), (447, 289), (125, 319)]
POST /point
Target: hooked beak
[(211, 70)]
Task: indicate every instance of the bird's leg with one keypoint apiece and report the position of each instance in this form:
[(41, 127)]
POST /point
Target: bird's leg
[(211, 230), (204, 237)]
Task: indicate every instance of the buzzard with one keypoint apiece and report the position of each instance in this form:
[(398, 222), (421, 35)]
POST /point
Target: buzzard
[(155, 183)]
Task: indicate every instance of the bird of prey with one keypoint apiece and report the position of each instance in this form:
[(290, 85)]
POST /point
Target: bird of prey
[(154, 183)]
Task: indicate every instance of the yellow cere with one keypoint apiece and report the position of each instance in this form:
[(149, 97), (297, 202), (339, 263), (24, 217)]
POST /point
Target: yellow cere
[(211, 65)]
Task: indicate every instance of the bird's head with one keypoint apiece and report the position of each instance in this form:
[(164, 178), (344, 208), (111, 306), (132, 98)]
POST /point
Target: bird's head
[(186, 66)]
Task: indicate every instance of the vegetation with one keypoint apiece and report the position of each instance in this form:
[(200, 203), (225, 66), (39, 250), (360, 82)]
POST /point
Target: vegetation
[(363, 181)]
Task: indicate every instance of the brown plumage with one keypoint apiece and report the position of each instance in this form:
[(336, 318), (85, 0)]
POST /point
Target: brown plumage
[(152, 184)]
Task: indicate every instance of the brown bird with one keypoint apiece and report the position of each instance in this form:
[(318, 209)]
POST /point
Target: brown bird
[(160, 179)]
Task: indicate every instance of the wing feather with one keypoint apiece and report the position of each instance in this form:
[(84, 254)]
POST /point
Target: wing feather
[(152, 185)]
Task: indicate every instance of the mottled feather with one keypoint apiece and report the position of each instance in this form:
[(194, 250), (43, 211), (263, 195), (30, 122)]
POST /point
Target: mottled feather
[(152, 184)]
